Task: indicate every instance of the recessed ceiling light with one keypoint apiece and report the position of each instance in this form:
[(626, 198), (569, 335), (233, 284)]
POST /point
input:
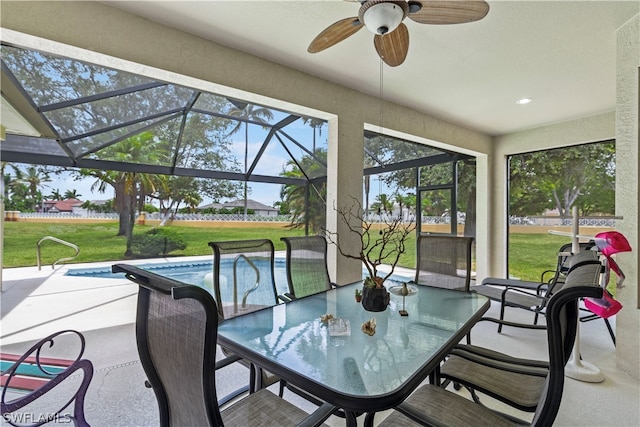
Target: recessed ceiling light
[(524, 101)]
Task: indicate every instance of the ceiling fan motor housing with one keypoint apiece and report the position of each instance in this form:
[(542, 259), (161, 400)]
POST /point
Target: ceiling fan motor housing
[(383, 16)]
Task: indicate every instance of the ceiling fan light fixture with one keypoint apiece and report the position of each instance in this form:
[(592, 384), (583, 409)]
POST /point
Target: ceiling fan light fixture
[(382, 17)]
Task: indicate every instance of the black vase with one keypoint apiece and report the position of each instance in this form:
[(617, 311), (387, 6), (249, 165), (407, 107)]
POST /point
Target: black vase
[(375, 299)]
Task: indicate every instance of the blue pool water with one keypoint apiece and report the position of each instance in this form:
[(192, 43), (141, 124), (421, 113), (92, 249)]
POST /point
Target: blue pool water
[(192, 272)]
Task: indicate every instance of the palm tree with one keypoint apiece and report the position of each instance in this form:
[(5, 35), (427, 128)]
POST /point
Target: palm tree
[(316, 124), (126, 185), (55, 195), (254, 113), (295, 196), (72, 194), (33, 180)]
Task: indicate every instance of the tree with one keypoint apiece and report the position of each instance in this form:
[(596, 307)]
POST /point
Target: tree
[(126, 185), (248, 112), (316, 125), (294, 197), (559, 178), (72, 194), (55, 195), (23, 190)]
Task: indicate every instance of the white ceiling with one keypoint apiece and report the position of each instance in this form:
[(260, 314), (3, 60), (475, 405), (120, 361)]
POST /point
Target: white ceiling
[(560, 53)]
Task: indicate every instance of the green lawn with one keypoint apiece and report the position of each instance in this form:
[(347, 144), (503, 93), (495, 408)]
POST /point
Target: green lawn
[(530, 254)]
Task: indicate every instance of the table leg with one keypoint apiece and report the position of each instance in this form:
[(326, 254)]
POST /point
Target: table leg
[(351, 420)]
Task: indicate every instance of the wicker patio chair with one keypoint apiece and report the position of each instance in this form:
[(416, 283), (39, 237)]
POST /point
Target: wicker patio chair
[(433, 405), (49, 380), (176, 332), (444, 261), (307, 272)]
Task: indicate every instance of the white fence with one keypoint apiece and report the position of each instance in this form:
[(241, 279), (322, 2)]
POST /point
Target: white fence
[(533, 220)]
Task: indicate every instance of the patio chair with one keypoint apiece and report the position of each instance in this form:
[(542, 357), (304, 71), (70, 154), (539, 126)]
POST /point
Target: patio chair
[(531, 296), (444, 261), (243, 281), (307, 272), (176, 332), (48, 380), (544, 383)]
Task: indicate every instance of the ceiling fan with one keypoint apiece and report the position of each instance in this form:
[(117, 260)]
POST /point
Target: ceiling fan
[(384, 19)]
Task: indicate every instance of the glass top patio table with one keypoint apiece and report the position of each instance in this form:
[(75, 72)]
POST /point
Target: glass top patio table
[(355, 371)]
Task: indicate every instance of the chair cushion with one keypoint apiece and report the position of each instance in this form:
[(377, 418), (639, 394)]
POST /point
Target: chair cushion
[(263, 408), (498, 383), (446, 408)]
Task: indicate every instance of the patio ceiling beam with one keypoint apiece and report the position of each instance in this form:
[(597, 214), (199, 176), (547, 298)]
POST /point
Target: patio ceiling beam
[(230, 117), (302, 171), (282, 123), (303, 148), (99, 97), (423, 161), (128, 135), (9, 151), (192, 101), (122, 125)]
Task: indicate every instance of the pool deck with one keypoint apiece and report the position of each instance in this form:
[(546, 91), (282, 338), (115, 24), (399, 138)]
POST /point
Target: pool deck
[(37, 303)]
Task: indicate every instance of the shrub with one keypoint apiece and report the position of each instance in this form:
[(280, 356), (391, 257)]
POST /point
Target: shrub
[(157, 241)]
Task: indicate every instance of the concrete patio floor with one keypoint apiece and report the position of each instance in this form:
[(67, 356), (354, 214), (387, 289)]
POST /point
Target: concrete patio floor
[(37, 303)]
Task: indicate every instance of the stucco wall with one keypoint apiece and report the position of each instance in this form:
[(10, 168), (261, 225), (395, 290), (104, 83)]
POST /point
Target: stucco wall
[(627, 165)]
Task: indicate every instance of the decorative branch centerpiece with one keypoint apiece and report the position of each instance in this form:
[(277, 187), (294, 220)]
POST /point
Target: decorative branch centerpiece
[(381, 242)]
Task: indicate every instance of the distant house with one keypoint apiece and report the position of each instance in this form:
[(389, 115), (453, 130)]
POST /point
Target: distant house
[(209, 206), (257, 207), (60, 206)]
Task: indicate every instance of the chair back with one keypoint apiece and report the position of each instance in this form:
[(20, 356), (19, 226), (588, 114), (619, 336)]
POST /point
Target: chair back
[(42, 381), (566, 259), (563, 264), (243, 276), (582, 280), (176, 333), (444, 261), (307, 272)]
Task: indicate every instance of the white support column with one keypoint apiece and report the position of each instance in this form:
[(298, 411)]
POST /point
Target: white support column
[(344, 187)]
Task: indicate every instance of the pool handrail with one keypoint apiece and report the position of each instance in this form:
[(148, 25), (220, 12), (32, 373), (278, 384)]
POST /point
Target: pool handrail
[(55, 239), (235, 282)]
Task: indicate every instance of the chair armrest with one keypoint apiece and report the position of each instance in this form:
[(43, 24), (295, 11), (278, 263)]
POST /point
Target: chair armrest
[(287, 297), (319, 416), (227, 361), (512, 283), (514, 324), (489, 357)]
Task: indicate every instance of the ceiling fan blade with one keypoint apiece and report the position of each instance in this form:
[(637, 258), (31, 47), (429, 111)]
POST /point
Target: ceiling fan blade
[(393, 47), (450, 11), (335, 33)]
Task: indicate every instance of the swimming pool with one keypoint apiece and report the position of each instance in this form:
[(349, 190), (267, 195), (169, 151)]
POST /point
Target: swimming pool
[(192, 272)]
